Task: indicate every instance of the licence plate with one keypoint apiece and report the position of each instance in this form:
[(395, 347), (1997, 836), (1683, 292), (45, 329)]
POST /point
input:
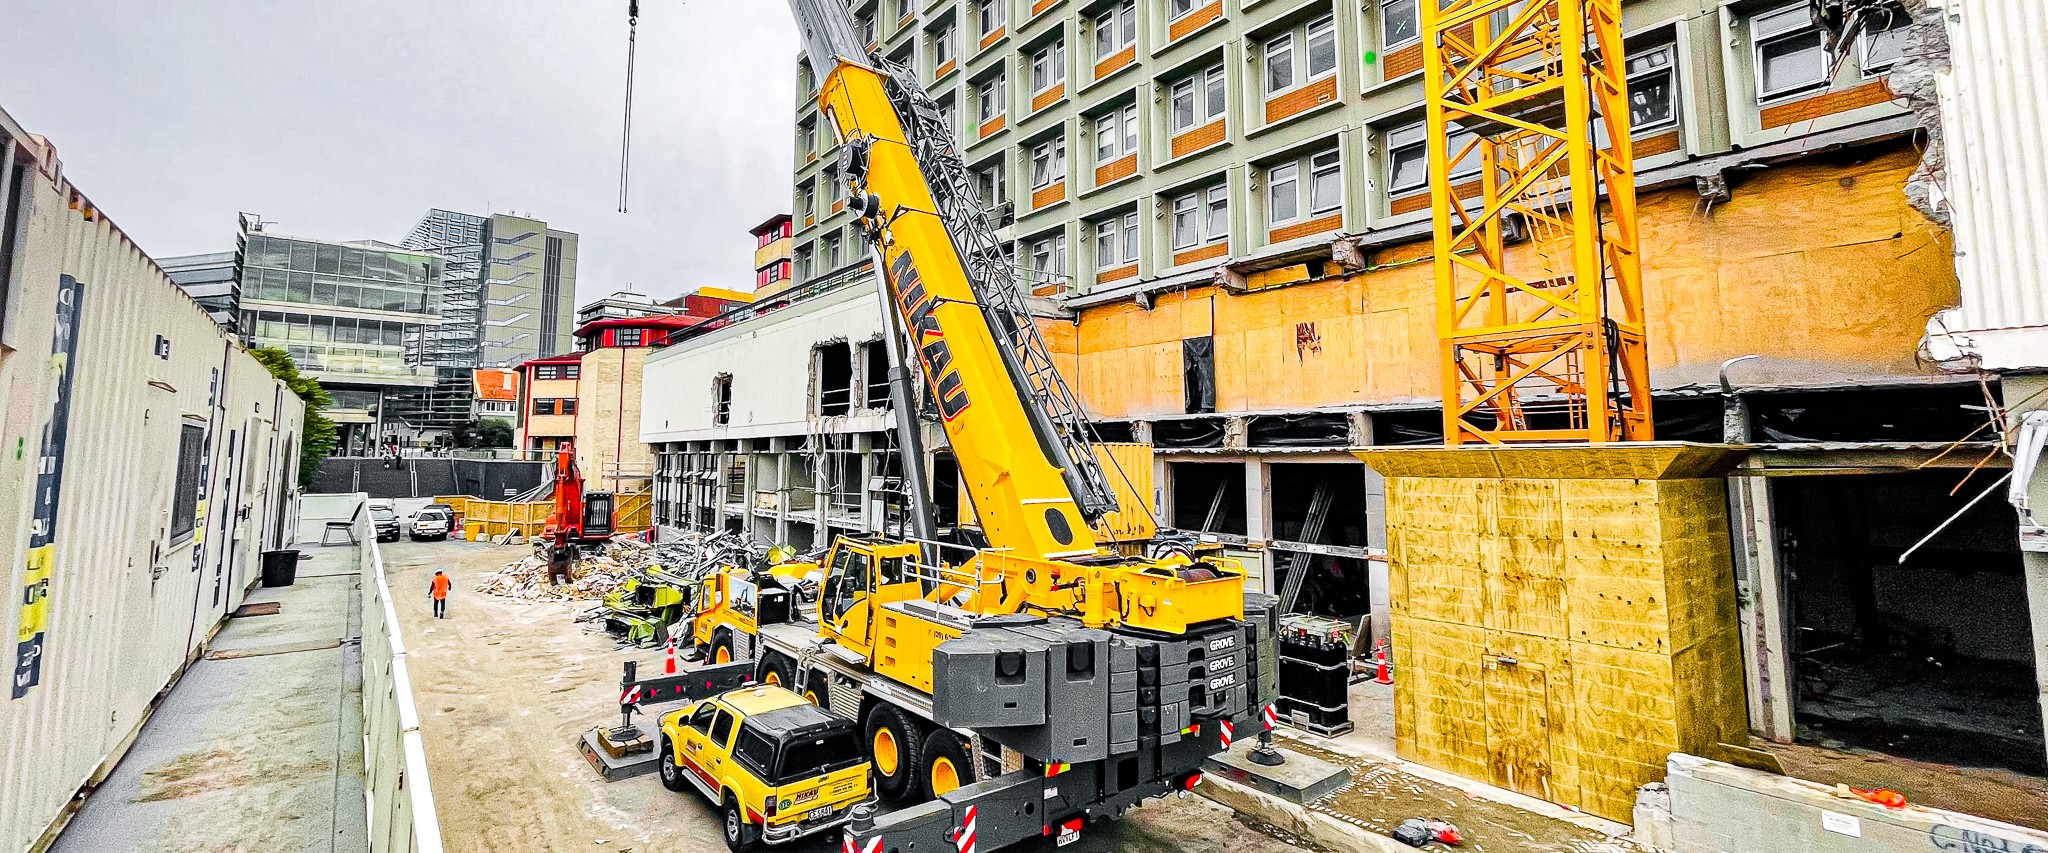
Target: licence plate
[(1067, 836), (819, 812)]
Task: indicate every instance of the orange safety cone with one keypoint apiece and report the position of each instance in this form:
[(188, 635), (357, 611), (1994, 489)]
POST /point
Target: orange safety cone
[(669, 668), (1385, 672)]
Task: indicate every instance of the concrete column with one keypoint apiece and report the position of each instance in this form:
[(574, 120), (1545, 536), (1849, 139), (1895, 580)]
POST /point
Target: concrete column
[(1162, 487), (1258, 513), (1761, 605), (2033, 389)]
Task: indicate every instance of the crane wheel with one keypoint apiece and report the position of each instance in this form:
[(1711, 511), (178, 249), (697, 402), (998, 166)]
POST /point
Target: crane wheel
[(775, 669), (948, 765), (894, 743), (721, 647)]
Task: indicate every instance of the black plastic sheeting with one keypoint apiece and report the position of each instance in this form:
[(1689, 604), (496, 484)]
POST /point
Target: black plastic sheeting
[(1425, 426), (1190, 433), (1198, 374), (1113, 432), (1872, 414), (1315, 429)]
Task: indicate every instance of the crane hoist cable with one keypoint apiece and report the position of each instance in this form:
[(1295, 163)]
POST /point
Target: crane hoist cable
[(626, 134)]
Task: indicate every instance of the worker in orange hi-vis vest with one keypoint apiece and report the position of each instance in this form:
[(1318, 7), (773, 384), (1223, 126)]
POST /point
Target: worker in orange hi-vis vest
[(437, 589)]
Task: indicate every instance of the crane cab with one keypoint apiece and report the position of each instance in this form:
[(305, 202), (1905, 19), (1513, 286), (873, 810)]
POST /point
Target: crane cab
[(860, 576), (596, 522)]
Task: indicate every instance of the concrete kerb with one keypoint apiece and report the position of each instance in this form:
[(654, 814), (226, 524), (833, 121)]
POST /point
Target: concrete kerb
[(1296, 823)]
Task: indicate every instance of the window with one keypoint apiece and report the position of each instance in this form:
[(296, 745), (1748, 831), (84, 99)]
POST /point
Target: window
[(991, 15), (721, 728), (831, 253), (1115, 29), (807, 137), (1301, 55), (756, 752), (807, 201), (1116, 241), (547, 371), (1049, 162), (544, 406), (1177, 8), (1201, 217), (185, 500), (1790, 56), (701, 720), (1048, 258), (567, 405), (990, 180), (1652, 89), (1287, 196), (989, 98), (1116, 135), (866, 25), (1883, 41), (721, 399), (1408, 157), (1198, 99), (828, 182), (1399, 23), (803, 262), (942, 45), (948, 115), (1049, 67), (628, 337)]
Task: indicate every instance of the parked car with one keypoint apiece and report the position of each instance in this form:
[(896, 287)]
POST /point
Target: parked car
[(779, 767), (385, 519), (431, 523)]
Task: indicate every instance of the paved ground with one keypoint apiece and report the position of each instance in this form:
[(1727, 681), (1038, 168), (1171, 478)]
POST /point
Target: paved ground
[(259, 748), (505, 688)]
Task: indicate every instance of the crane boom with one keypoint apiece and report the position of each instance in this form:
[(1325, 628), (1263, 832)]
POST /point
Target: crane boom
[(1017, 430)]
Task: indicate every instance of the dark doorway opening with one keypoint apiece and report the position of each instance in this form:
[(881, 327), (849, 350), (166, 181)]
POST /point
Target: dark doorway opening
[(945, 491), (835, 379), (1208, 497), (1931, 660), (1337, 585)]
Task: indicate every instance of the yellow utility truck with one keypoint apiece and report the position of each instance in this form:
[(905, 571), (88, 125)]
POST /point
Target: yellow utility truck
[(778, 768)]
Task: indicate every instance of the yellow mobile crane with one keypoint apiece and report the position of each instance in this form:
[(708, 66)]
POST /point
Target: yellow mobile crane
[(1083, 681)]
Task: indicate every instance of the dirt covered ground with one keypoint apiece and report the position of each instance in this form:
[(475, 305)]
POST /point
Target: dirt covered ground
[(505, 688)]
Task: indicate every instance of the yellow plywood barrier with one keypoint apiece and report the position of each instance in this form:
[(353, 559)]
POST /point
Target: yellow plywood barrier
[(482, 519), (1563, 617)]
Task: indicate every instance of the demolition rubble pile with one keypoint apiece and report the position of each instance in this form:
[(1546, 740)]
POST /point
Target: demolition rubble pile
[(600, 571)]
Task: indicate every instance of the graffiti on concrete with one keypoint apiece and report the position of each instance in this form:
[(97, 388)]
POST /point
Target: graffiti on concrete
[(1960, 840)]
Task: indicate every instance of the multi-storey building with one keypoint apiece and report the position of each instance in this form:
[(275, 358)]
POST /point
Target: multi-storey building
[(772, 255), (354, 315), (1226, 202), (210, 279)]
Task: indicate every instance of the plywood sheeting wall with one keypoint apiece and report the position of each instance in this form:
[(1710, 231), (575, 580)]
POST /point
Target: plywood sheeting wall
[(1820, 267), (1563, 618)]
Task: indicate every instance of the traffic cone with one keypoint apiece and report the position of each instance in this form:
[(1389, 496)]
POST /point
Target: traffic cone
[(1385, 673), (669, 668)]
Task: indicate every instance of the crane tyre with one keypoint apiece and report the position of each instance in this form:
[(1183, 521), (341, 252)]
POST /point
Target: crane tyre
[(722, 649), (893, 743), (947, 762), (776, 669)]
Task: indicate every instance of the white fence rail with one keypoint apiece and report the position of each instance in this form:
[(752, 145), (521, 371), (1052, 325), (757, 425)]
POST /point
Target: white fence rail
[(401, 799)]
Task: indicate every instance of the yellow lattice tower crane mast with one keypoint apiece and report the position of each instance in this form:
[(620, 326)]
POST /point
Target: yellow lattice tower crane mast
[(1539, 301)]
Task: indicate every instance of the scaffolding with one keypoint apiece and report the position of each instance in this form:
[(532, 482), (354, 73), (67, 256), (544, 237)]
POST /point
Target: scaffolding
[(1539, 302)]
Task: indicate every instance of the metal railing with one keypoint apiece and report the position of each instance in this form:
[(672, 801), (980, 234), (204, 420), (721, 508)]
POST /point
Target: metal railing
[(399, 796)]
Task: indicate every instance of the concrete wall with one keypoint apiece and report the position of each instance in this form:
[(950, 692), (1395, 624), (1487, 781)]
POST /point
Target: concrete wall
[(1709, 807), (608, 405), (124, 604), (770, 357)]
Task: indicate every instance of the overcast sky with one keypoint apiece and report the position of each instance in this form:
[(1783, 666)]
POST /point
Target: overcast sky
[(348, 119)]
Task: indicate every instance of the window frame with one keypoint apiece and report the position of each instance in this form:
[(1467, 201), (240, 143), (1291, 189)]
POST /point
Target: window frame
[(1055, 255), (1758, 43), (1472, 166), (1119, 20), (991, 15), (1315, 172), (188, 486), (1300, 47), (992, 89), (1863, 45), (1669, 70), (1202, 210), (1174, 15), (1414, 14), (1122, 231), (1293, 194), (1054, 168), (1201, 87), (1122, 137), (1054, 55), (942, 46)]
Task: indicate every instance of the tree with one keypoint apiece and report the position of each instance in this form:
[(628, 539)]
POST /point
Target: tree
[(484, 432), (320, 435)]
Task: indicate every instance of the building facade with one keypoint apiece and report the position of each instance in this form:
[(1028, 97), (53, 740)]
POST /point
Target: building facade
[(510, 284), (1228, 201), (210, 280), (356, 316), (772, 257)]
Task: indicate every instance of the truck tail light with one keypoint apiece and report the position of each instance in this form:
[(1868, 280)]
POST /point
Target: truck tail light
[(769, 808)]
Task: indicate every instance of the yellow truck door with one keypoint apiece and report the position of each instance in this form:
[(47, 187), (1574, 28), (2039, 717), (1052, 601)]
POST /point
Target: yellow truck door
[(846, 608)]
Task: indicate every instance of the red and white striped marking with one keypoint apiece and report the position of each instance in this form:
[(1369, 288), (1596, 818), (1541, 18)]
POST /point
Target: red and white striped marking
[(874, 844), (1271, 717), (1225, 730), (966, 840), (631, 696)]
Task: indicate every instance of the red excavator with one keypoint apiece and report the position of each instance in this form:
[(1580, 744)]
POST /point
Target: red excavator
[(579, 517)]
